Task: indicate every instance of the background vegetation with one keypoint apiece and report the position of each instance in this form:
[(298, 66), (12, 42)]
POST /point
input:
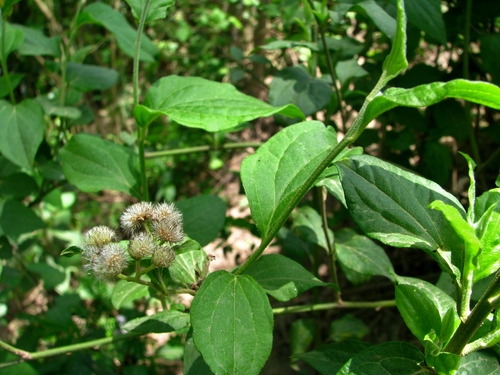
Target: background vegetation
[(72, 62)]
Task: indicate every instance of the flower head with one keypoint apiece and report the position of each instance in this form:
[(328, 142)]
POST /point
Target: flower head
[(135, 216), (163, 256), (99, 236), (166, 223), (141, 245), (109, 262)]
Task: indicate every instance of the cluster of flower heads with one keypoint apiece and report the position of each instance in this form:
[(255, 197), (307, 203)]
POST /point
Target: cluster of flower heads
[(153, 229)]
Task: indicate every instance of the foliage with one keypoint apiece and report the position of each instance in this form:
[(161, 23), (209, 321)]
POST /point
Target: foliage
[(330, 62)]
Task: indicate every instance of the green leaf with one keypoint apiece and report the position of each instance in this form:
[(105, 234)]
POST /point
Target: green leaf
[(424, 95), (164, 321), (349, 69), (193, 361), (347, 327), (125, 291), (200, 103), (426, 15), (328, 359), (51, 276), (145, 116), (17, 186), (387, 358), (232, 323), (481, 362), (378, 15), (396, 62), (203, 217), (308, 225), (276, 174), (14, 38), (71, 251), (361, 254), (21, 131), (472, 188), (16, 219), (301, 335), (116, 23), (90, 77), (296, 86), (418, 311), (37, 44), (15, 80), (93, 164), (390, 205), (190, 265), (282, 277), (53, 108), (157, 9)]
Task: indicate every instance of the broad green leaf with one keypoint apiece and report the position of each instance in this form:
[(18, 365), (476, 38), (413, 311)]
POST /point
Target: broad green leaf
[(115, 22), (14, 38), (157, 8), (203, 217), (445, 305), (282, 277), (144, 116), (361, 254), (346, 328), (37, 44), (396, 62), (424, 95), (90, 77), (487, 214), (71, 251), (21, 131), (390, 205), (388, 358), (190, 265), (232, 324), (51, 276), (281, 44), (301, 335), (16, 219), (328, 359), (330, 177), (193, 361), (349, 69), (418, 311), (378, 15), (307, 223), (213, 106), (17, 186), (276, 174), (125, 291), (164, 321), (93, 164), (53, 108), (296, 86), (426, 15), (481, 362), (15, 80)]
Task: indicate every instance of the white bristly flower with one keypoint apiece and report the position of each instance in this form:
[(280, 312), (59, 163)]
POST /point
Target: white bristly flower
[(141, 245), (166, 223), (99, 236), (109, 263), (163, 256), (133, 218)]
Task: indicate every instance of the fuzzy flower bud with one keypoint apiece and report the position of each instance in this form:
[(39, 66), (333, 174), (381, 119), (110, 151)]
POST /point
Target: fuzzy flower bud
[(109, 262), (135, 216), (141, 246), (100, 236), (166, 223), (163, 256)]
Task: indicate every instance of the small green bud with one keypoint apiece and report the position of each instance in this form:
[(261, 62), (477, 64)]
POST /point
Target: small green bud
[(163, 256)]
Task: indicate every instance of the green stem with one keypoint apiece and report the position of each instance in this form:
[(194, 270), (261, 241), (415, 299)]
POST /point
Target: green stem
[(141, 132), (190, 150), (25, 356), (333, 305), (4, 62), (331, 70), (469, 327), (352, 134)]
